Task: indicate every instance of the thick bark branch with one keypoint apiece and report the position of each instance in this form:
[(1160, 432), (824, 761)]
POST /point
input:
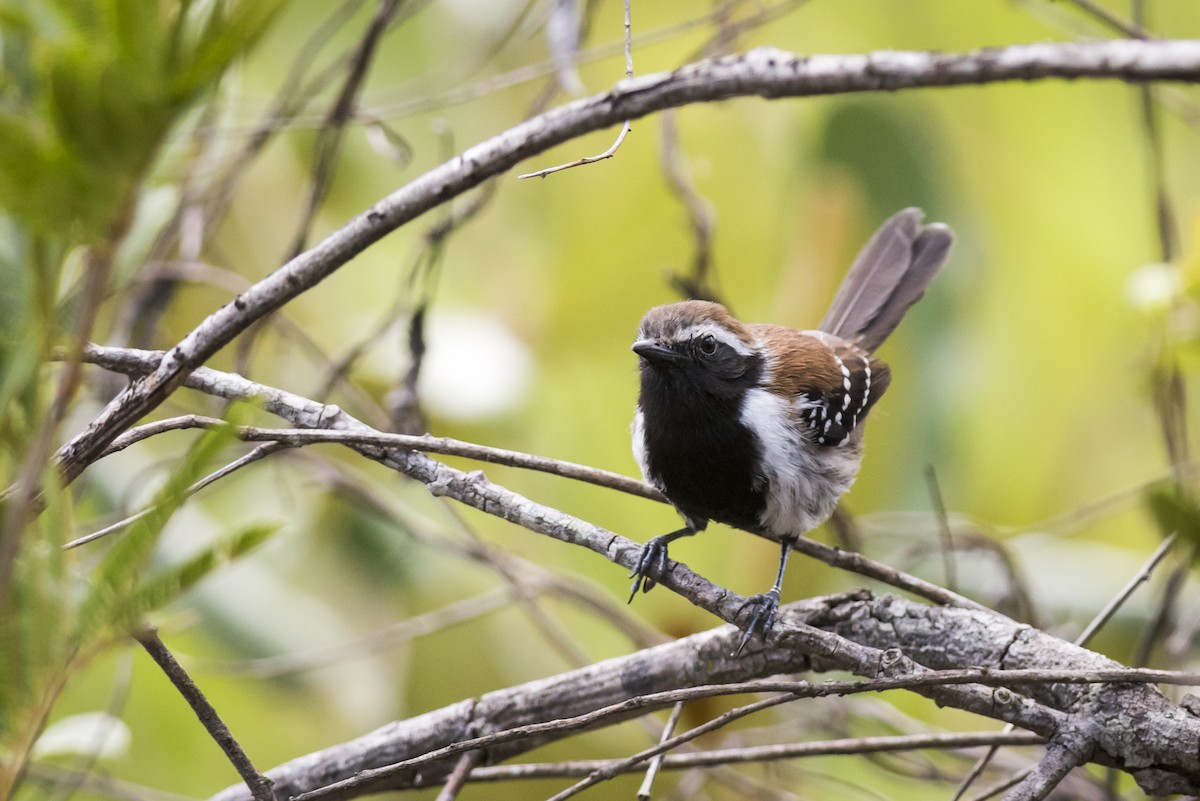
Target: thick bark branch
[(693, 661), (764, 72), (1156, 741), (1133, 727)]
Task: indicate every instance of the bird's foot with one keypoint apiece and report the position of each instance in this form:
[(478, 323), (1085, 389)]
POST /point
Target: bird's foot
[(766, 605), (652, 562)]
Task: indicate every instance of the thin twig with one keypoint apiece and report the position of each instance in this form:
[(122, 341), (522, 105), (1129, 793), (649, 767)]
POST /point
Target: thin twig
[(625, 128), (655, 765), (261, 452), (259, 785), (459, 778), (1141, 577), (332, 131), (607, 154), (466, 93), (762, 753), (947, 538), (1003, 785), (446, 446), (696, 286), (722, 720), (855, 562), (1121, 26)]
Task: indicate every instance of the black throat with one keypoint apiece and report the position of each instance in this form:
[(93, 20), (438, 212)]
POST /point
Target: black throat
[(697, 448)]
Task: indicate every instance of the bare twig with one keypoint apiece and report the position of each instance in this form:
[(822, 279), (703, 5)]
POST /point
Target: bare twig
[(1003, 785), (857, 563), (458, 95), (258, 784), (1115, 23), (459, 778), (947, 538), (698, 285), (655, 765), (1118, 600), (290, 437), (625, 128), (329, 137), (261, 452), (722, 720), (763, 753)]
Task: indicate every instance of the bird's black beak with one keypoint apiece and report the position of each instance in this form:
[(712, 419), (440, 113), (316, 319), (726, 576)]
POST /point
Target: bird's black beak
[(651, 351)]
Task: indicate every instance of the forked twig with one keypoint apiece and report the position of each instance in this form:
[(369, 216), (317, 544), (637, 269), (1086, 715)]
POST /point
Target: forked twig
[(625, 128)]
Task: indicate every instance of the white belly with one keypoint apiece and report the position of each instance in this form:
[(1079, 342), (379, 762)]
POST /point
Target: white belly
[(804, 481)]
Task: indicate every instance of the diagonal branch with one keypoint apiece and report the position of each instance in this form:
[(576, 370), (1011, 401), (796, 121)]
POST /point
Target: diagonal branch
[(763, 72), (394, 451)]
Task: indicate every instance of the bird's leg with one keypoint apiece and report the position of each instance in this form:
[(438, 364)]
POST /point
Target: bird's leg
[(767, 603), (653, 560)]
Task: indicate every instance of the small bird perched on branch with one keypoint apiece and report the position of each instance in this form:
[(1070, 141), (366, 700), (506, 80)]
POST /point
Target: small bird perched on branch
[(760, 426)]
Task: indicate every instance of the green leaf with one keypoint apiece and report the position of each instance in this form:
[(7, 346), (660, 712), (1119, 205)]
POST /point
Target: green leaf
[(160, 590), (115, 578), (1175, 512)]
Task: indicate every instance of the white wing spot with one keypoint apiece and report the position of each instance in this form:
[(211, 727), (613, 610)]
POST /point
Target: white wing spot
[(867, 387), (845, 372)]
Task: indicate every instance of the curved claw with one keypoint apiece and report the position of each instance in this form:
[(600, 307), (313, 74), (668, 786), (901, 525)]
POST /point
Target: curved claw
[(653, 560), (767, 604)]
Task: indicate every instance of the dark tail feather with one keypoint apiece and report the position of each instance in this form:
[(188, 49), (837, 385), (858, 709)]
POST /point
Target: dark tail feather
[(889, 275)]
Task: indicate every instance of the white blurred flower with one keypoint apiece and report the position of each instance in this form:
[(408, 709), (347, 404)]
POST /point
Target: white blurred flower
[(474, 368), (95, 734), (489, 17), (1154, 287)]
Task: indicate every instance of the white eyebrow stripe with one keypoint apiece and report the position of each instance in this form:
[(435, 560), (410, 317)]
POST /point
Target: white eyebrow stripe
[(719, 333)]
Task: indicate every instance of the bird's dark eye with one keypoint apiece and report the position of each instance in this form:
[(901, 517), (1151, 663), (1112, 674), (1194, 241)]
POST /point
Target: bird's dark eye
[(708, 344)]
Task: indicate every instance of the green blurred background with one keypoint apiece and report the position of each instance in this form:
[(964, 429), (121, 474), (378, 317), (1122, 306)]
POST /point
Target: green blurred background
[(1023, 378)]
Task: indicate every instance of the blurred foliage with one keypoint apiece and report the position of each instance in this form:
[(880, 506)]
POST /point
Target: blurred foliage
[(89, 95), (1026, 377)]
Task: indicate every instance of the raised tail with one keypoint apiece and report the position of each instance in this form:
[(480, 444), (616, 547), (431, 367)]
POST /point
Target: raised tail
[(889, 275)]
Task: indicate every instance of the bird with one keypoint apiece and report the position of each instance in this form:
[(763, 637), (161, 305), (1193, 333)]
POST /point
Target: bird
[(760, 426)]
